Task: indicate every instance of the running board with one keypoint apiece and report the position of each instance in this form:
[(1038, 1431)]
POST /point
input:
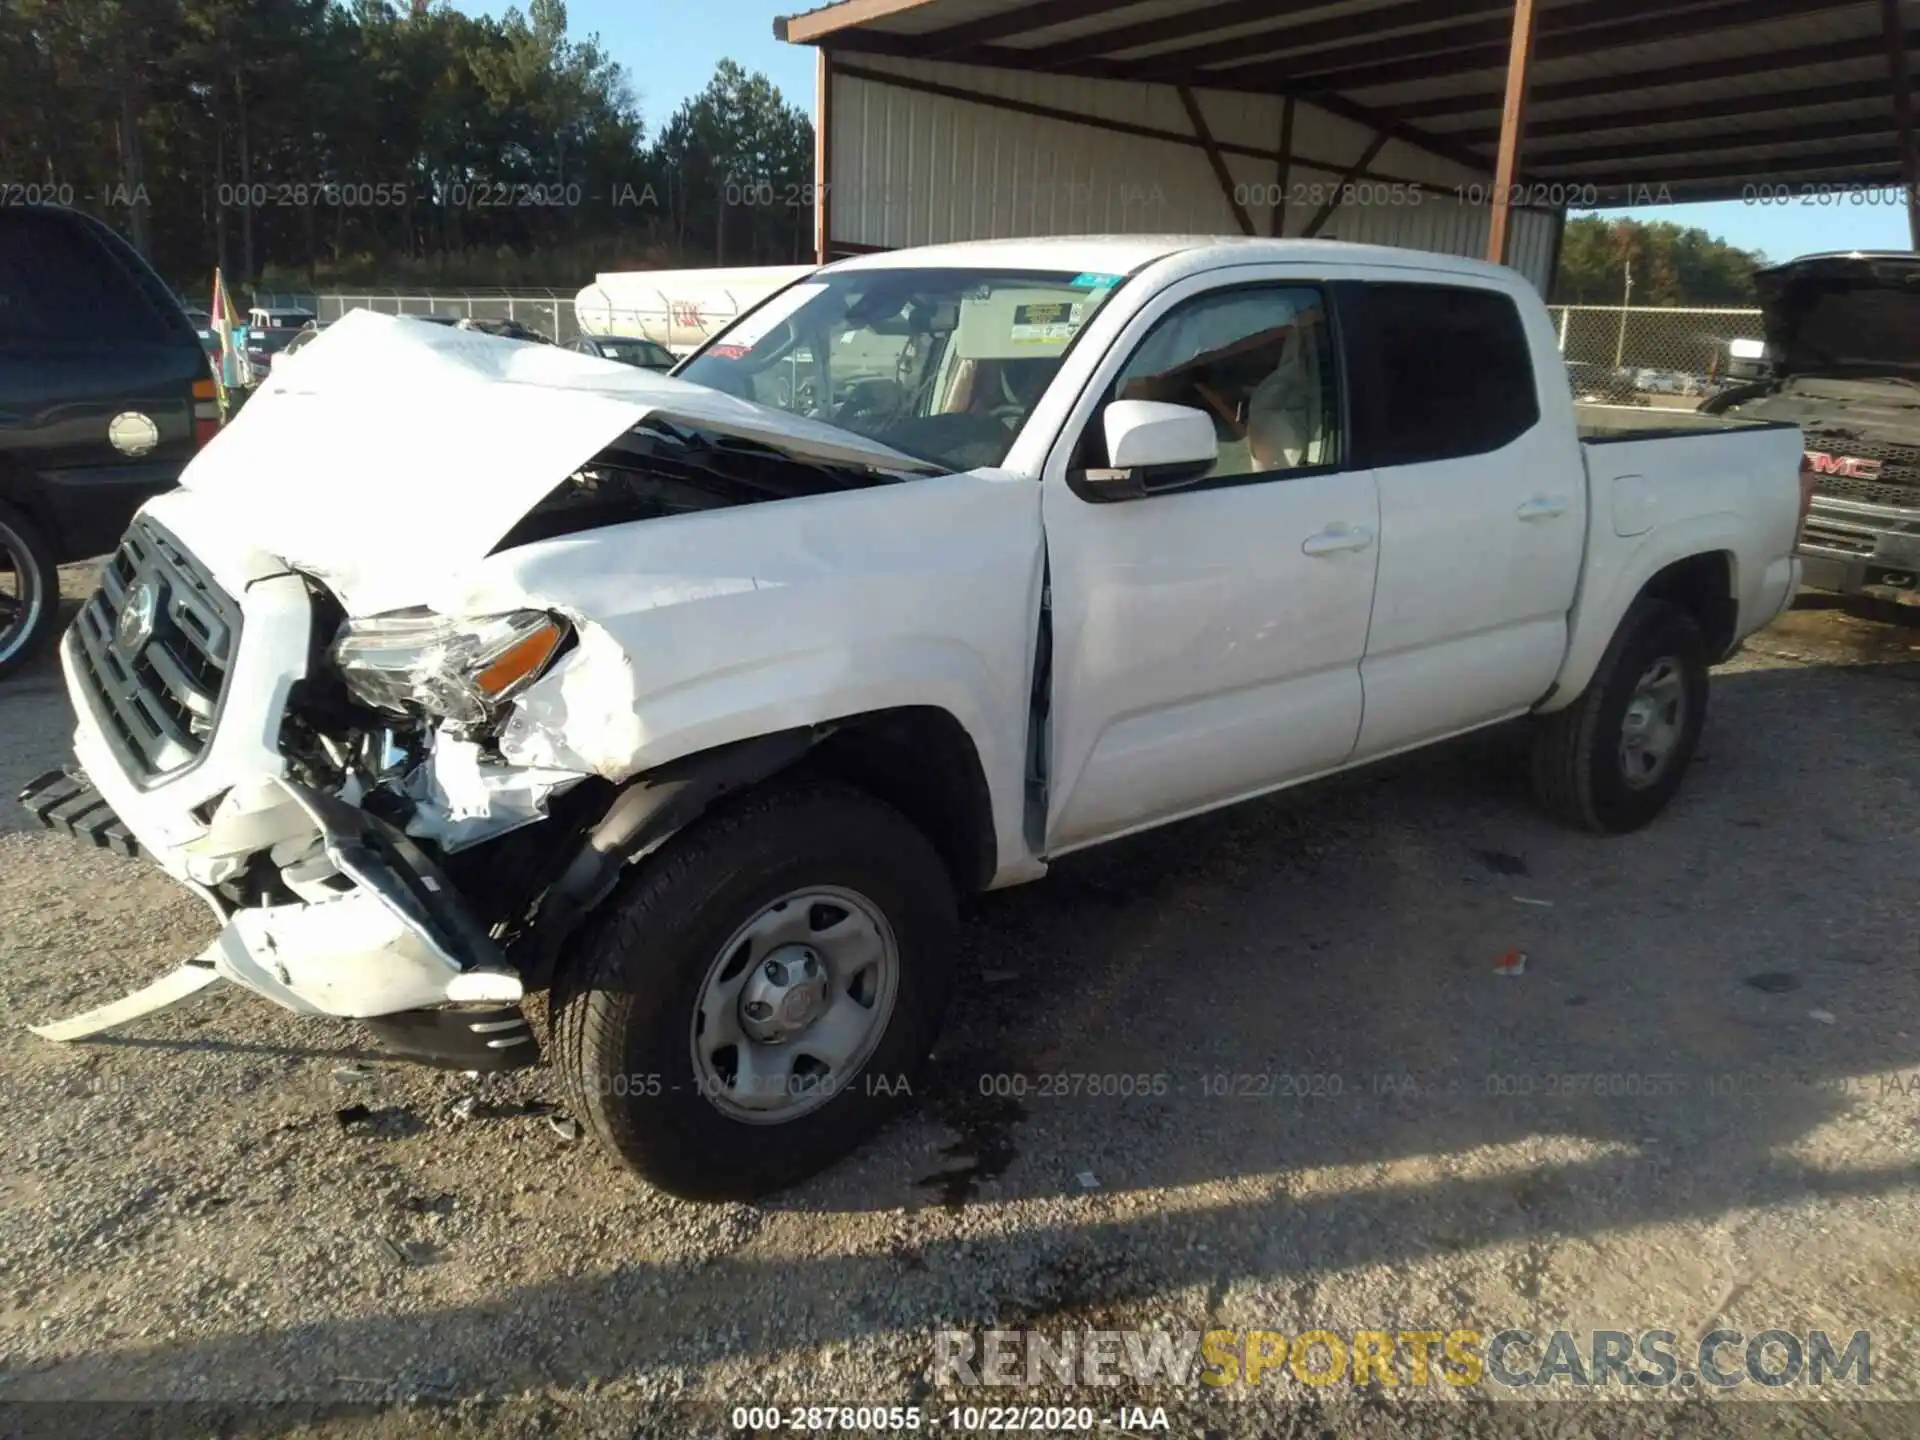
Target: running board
[(163, 994)]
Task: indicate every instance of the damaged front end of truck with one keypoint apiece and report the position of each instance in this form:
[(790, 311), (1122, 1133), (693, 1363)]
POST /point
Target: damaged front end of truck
[(340, 685)]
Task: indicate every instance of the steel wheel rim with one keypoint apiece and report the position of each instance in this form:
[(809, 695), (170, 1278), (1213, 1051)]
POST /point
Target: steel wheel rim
[(19, 608), (794, 1004), (1655, 718)]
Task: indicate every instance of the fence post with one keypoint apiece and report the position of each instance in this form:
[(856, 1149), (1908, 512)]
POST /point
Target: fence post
[(1566, 313)]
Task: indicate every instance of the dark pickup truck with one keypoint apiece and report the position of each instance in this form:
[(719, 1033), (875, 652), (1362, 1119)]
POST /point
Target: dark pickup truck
[(105, 394), (1843, 363)]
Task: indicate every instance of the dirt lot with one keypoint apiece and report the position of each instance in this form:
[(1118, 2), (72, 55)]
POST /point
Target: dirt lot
[(1699, 1105)]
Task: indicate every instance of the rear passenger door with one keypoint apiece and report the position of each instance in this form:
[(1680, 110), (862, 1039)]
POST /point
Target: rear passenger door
[(1482, 507)]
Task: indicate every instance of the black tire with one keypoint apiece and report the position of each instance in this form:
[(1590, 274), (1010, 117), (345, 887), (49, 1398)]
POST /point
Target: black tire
[(1579, 774), (29, 590), (625, 999)]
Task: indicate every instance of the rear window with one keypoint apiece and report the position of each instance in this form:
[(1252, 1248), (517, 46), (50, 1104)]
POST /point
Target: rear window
[(59, 280), (1453, 371)]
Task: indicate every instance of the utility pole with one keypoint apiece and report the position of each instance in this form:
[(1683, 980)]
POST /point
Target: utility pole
[(1620, 344)]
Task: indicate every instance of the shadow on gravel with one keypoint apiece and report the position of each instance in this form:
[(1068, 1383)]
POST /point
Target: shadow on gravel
[(1313, 979), (35, 735), (566, 1333)]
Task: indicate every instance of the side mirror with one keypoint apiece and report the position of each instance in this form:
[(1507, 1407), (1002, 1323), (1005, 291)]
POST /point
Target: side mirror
[(1151, 447)]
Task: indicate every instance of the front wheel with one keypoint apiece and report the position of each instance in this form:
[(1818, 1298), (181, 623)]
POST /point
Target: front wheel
[(1612, 760), (29, 590), (761, 994)]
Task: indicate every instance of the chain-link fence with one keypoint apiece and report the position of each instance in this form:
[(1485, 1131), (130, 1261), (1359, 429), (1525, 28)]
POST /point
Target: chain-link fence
[(548, 311), (1664, 354)]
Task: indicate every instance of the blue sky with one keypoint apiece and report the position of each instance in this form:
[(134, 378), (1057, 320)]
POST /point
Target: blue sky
[(669, 49)]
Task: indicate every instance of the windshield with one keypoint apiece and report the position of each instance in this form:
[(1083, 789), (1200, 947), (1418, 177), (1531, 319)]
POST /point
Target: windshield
[(943, 364)]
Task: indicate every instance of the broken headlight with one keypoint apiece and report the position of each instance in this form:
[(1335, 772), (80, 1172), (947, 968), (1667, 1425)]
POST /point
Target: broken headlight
[(413, 662)]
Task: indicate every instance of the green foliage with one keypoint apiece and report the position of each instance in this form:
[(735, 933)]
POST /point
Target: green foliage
[(1670, 265), (367, 141)]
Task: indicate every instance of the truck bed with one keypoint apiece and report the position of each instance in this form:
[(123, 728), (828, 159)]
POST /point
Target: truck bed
[(1638, 422)]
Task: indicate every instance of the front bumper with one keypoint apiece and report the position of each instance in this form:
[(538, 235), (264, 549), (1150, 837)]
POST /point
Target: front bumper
[(1861, 549), (391, 943)]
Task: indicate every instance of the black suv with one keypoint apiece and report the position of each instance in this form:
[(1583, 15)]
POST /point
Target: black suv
[(105, 394)]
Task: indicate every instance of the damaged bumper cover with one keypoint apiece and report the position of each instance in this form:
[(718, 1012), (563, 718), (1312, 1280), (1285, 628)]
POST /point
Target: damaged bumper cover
[(378, 934)]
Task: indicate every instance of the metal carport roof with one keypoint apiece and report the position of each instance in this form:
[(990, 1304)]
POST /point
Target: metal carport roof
[(1632, 100)]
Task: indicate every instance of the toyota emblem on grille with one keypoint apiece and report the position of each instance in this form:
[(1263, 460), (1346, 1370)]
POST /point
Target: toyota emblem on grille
[(136, 621)]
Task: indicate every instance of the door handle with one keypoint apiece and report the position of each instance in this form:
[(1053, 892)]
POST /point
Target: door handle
[(1542, 507), (1337, 538)]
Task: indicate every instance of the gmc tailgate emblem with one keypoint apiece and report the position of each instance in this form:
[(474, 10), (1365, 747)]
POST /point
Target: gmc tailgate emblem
[(1851, 466)]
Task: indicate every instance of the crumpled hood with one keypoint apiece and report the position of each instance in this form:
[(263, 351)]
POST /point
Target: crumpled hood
[(388, 454)]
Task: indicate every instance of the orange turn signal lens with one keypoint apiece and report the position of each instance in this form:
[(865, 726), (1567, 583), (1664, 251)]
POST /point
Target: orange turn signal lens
[(521, 660)]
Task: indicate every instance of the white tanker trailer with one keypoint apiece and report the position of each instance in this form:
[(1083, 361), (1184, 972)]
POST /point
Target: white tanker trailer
[(680, 309)]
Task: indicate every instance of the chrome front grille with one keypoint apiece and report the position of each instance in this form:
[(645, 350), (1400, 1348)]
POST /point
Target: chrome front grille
[(1868, 492), (1898, 480), (155, 646)]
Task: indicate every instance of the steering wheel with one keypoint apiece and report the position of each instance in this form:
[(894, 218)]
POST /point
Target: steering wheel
[(1011, 411)]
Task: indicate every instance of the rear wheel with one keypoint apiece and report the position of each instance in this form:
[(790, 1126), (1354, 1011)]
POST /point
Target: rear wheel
[(29, 590), (1612, 760), (761, 993)]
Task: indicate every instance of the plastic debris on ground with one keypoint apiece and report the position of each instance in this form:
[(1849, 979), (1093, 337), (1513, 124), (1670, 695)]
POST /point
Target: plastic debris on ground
[(1825, 1017), (567, 1128), (1088, 1180), (1514, 962)]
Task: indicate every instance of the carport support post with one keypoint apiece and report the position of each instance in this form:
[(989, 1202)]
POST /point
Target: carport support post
[(1903, 114), (822, 137), (1512, 122)]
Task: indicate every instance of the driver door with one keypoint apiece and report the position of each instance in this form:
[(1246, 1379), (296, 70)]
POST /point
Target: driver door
[(1207, 641)]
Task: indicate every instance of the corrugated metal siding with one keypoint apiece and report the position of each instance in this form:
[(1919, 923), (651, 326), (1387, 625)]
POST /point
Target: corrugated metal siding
[(1234, 117), (1450, 227), (910, 168)]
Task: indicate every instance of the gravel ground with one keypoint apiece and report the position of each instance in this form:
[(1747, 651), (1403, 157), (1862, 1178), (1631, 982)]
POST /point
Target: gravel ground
[(186, 1218)]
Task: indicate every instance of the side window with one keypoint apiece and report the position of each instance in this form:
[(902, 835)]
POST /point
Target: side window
[(1454, 373), (1259, 361)]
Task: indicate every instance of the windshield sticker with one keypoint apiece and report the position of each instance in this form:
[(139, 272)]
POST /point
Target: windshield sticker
[(770, 316), (1091, 281), (1049, 324)]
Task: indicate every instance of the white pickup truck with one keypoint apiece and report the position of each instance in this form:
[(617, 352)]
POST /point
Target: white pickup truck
[(698, 699)]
